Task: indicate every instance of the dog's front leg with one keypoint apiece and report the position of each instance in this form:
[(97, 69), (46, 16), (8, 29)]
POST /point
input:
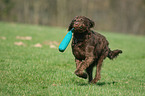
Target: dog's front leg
[(77, 72), (82, 66), (78, 63), (85, 63)]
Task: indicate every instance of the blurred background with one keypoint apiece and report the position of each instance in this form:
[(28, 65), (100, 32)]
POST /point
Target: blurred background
[(124, 16)]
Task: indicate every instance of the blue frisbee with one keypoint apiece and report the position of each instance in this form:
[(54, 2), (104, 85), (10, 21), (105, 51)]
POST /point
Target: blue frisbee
[(64, 43)]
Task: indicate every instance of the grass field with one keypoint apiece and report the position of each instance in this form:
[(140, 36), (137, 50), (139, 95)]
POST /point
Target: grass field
[(29, 70)]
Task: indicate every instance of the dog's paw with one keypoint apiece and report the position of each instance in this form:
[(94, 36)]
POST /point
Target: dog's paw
[(81, 74), (94, 81)]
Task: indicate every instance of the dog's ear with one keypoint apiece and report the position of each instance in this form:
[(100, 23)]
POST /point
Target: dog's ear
[(92, 23)]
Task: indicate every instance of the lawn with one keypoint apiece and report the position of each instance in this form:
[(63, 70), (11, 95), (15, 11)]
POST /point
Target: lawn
[(31, 65)]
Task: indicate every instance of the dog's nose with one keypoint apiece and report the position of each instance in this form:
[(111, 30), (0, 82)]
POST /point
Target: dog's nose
[(76, 24)]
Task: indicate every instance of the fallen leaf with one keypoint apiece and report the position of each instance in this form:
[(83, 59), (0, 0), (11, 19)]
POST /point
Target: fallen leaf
[(24, 38), (38, 45), (19, 43), (28, 38), (52, 46), (54, 85), (3, 38), (54, 42)]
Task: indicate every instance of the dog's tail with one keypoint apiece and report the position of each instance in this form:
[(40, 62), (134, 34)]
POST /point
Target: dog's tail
[(113, 54)]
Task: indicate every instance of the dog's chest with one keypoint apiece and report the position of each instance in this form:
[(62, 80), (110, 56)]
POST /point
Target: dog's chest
[(78, 49)]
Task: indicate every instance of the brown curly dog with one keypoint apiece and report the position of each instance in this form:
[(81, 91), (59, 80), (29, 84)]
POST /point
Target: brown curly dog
[(89, 48)]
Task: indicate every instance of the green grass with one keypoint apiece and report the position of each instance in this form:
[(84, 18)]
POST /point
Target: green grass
[(31, 71)]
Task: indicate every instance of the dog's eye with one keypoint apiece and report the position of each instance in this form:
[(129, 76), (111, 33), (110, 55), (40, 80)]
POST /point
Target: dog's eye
[(74, 20), (81, 19)]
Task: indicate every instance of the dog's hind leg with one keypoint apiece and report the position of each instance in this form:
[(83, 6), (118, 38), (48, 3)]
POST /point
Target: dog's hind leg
[(89, 71), (98, 69)]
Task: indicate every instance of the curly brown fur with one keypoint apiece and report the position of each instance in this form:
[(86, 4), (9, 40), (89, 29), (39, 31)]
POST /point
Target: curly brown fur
[(89, 48)]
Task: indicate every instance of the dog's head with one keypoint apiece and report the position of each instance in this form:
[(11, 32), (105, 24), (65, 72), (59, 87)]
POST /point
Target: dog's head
[(81, 24)]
